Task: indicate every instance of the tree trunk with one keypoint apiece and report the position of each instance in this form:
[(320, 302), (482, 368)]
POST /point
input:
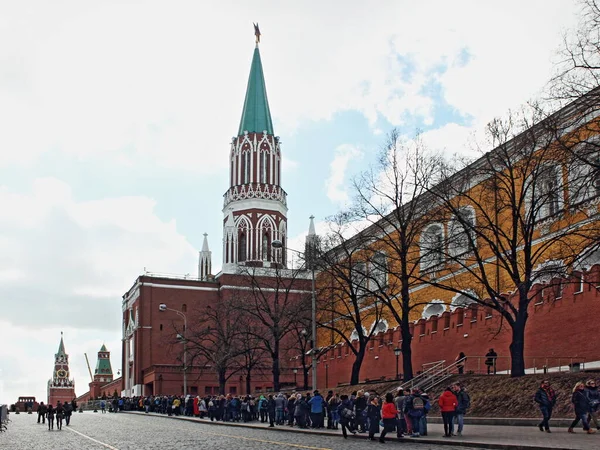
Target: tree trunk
[(356, 365), (248, 382), (222, 379), (517, 345), (275, 368), (305, 375), (406, 347)]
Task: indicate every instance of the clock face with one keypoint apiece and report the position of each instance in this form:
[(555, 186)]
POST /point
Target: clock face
[(61, 373)]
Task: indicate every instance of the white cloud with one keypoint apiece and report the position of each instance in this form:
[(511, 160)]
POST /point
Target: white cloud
[(64, 261), (132, 83), (335, 184)]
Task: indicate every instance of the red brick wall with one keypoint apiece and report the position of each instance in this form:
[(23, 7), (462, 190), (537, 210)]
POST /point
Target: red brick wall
[(556, 328)]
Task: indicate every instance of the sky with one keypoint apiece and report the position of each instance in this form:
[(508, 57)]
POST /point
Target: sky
[(116, 119)]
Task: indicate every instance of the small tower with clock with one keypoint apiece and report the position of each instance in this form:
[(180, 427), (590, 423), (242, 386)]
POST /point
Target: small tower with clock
[(61, 388)]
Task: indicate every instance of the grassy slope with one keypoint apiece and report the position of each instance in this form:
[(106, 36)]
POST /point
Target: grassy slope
[(499, 396)]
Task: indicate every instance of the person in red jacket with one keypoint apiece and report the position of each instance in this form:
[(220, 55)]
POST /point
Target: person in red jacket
[(448, 403), (388, 415)]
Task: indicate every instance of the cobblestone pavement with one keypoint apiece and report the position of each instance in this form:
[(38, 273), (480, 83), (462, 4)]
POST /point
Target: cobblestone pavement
[(133, 431)]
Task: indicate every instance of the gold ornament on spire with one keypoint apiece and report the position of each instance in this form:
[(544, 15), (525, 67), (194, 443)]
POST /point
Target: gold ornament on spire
[(256, 32)]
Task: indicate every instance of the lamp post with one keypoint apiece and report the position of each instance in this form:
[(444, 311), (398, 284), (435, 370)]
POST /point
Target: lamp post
[(162, 308), (295, 376), (397, 352), (276, 243)]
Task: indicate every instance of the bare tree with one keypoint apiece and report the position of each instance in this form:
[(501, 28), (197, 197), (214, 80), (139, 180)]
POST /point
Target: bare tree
[(344, 305), (578, 67), (512, 220), (214, 340), (389, 199), (274, 300)]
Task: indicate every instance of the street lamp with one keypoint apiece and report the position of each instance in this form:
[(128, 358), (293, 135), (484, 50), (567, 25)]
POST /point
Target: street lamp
[(397, 352), (162, 308), (295, 375), (276, 243)]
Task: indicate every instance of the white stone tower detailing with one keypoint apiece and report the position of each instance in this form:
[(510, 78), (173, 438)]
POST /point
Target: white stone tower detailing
[(205, 261)]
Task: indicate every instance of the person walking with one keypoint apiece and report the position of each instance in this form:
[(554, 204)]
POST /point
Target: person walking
[(68, 411), (347, 416), (464, 402), (545, 397), (50, 416), (271, 410), (448, 403), (60, 414), (374, 417), (490, 361), (42, 409), (593, 395), (388, 414), (582, 408)]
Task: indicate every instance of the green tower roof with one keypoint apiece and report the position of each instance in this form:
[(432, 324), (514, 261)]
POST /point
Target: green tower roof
[(256, 116), (103, 349)]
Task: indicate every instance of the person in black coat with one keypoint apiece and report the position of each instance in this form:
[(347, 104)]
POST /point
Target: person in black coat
[(347, 416), (545, 397), (374, 415), (582, 408), (271, 410), (593, 395)]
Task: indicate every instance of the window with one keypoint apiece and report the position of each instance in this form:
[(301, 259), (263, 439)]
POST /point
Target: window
[(242, 248), (432, 247), (379, 270), (265, 247), (359, 280), (246, 167), (263, 167), (461, 235), (548, 199), (584, 176)]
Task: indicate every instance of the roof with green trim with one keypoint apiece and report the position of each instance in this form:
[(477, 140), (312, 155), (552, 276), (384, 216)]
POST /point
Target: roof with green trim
[(256, 116)]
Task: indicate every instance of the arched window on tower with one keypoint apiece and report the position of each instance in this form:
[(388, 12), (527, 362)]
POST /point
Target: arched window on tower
[(242, 248), (246, 167), (263, 166), (265, 247)]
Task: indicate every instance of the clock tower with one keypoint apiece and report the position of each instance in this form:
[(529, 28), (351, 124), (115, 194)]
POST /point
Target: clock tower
[(61, 387)]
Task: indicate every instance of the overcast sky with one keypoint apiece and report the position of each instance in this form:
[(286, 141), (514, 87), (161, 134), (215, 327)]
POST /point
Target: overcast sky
[(116, 118)]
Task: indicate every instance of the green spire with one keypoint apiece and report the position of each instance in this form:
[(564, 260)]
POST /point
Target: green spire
[(256, 116), (103, 349), (61, 346)]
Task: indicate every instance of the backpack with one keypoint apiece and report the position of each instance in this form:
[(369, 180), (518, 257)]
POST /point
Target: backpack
[(418, 403)]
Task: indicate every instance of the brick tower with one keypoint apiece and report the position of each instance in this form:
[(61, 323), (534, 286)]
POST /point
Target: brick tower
[(254, 207), (60, 386), (103, 372)]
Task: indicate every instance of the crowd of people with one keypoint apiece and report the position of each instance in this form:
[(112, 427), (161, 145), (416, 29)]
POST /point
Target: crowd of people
[(404, 412), (60, 412), (586, 403), (361, 412)]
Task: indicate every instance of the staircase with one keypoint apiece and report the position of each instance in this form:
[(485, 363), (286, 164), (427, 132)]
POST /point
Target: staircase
[(436, 374)]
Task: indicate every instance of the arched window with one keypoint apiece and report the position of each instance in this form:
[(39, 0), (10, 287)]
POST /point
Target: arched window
[(265, 247), (263, 166), (548, 188), (461, 232), (378, 271), (432, 247), (246, 167), (584, 176), (359, 280), (242, 247)]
